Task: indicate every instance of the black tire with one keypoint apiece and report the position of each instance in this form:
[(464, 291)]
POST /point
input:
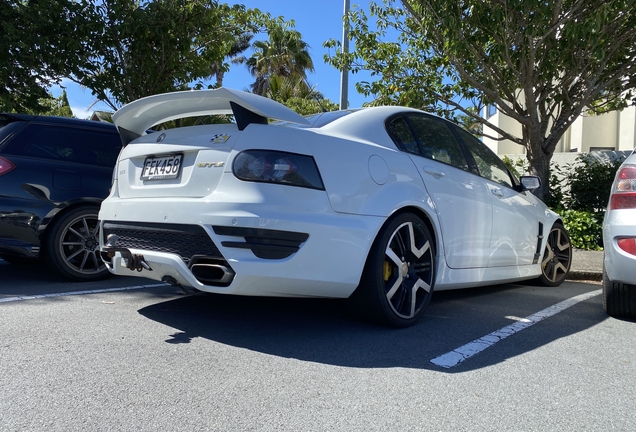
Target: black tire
[(72, 245), (399, 275), (557, 257), (619, 299)]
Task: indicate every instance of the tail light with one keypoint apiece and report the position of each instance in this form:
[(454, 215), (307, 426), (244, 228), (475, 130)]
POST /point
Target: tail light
[(624, 189), (283, 168), (5, 166), (627, 244)]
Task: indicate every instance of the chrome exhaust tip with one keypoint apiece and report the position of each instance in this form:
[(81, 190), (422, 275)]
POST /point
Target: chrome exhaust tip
[(212, 273)]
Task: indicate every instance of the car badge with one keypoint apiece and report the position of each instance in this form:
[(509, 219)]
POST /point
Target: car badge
[(161, 137), (210, 164), (219, 138)]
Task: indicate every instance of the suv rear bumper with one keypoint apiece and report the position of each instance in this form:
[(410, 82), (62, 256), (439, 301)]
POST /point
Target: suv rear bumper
[(619, 265)]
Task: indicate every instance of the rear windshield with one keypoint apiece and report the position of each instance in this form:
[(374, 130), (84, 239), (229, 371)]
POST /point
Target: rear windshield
[(317, 120), (7, 127)]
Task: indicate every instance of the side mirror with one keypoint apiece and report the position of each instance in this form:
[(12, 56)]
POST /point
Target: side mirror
[(530, 183)]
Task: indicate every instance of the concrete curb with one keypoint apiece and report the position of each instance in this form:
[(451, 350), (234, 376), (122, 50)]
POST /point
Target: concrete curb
[(576, 275), (586, 265)]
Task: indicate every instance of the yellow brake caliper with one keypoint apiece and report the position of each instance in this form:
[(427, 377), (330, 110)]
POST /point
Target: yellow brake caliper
[(386, 271)]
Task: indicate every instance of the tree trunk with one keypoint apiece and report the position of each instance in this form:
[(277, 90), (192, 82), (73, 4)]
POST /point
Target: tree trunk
[(539, 163)]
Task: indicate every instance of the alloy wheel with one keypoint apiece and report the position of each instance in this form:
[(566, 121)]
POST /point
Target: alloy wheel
[(408, 270), (79, 245), (557, 256)]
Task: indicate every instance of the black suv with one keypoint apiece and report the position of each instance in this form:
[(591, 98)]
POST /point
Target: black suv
[(54, 173)]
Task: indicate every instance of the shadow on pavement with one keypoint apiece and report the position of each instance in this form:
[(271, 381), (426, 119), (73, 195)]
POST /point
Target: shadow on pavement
[(322, 331), (19, 280)]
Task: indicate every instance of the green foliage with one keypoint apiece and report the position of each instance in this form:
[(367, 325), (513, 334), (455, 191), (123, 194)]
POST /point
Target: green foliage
[(283, 54), (150, 47), (517, 167), (294, 92), (42, 41), (590, 182), (579, 193), (51, 106), (542, 63), (310, 106), (585, 228)]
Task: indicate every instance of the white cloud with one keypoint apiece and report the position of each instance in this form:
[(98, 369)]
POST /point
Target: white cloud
[(81, 112)]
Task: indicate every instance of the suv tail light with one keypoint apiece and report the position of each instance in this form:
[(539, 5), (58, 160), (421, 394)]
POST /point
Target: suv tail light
[(5, 166), (627, 244), (624, 189)]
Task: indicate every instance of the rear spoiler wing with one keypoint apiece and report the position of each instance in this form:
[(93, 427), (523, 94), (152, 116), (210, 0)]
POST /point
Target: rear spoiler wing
[(135, 118)]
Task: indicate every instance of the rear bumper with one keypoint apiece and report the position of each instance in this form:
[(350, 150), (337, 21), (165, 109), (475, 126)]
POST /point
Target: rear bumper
[(620, 266), (258, 249)]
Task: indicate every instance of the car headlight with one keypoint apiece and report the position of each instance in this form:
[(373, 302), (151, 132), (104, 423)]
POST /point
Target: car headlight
[(277, 167)]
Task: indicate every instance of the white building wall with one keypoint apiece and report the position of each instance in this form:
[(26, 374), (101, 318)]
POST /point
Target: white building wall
[(627, 129), (504, 146), (615, 130), (600, 132)]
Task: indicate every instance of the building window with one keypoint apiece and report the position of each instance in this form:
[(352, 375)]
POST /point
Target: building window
[(491, 110)]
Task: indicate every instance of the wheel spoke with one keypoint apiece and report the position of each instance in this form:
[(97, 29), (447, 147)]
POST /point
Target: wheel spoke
[(394, 288), (93, 254), (420, 284), (80, 235), (86, 229), (414, 250), (399, 240), (79, 251), (84, 259), (396, 259), (561, 246)]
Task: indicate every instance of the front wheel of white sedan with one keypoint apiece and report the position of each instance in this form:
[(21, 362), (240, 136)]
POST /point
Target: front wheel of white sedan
[(397, 283), (557, 257)]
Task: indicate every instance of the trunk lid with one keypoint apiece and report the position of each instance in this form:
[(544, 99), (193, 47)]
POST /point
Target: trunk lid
[(201, 155)]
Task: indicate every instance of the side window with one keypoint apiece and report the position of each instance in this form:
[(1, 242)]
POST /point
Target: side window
[(488, 163), (437, 141), (400, 133), (85, 146)]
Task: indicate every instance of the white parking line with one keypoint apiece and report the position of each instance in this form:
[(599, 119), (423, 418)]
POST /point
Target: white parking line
[(455, 357), (72, 293)]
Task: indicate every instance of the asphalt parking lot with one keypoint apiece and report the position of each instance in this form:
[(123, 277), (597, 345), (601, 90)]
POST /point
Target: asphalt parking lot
[(131, 354)]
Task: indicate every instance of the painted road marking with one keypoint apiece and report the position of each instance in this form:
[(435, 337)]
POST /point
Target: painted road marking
[(73, 293), (455, 357)]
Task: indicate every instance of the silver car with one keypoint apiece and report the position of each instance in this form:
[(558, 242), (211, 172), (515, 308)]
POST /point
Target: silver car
[(619, 241)]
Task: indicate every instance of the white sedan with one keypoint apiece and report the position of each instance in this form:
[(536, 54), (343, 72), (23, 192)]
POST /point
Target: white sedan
[(380, 205)]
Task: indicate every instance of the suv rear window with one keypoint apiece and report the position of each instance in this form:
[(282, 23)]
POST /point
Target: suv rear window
[(8, 126), (68, 144)]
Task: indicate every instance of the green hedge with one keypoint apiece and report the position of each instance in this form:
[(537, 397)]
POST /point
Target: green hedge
[(579, 192)]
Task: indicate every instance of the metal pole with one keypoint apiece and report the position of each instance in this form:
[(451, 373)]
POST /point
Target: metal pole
[(344, 74)]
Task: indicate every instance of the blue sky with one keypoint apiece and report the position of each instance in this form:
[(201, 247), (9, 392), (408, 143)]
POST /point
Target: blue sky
[(316, 21)]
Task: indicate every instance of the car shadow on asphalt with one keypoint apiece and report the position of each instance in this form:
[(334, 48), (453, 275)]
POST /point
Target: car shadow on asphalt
[(33, 279), (322, 331)]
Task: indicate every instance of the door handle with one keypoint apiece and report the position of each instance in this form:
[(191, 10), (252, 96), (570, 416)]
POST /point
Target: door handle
[(436, 174), (497, 192)]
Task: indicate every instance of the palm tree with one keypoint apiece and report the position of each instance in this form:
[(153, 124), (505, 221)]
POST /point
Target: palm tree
[(284, 54), (241, 44)]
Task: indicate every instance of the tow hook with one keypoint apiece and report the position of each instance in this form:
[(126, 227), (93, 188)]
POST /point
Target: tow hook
[(173, 282), (132, 261)]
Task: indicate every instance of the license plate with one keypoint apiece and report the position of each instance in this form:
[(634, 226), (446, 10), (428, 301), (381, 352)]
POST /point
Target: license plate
[(162, 167)]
